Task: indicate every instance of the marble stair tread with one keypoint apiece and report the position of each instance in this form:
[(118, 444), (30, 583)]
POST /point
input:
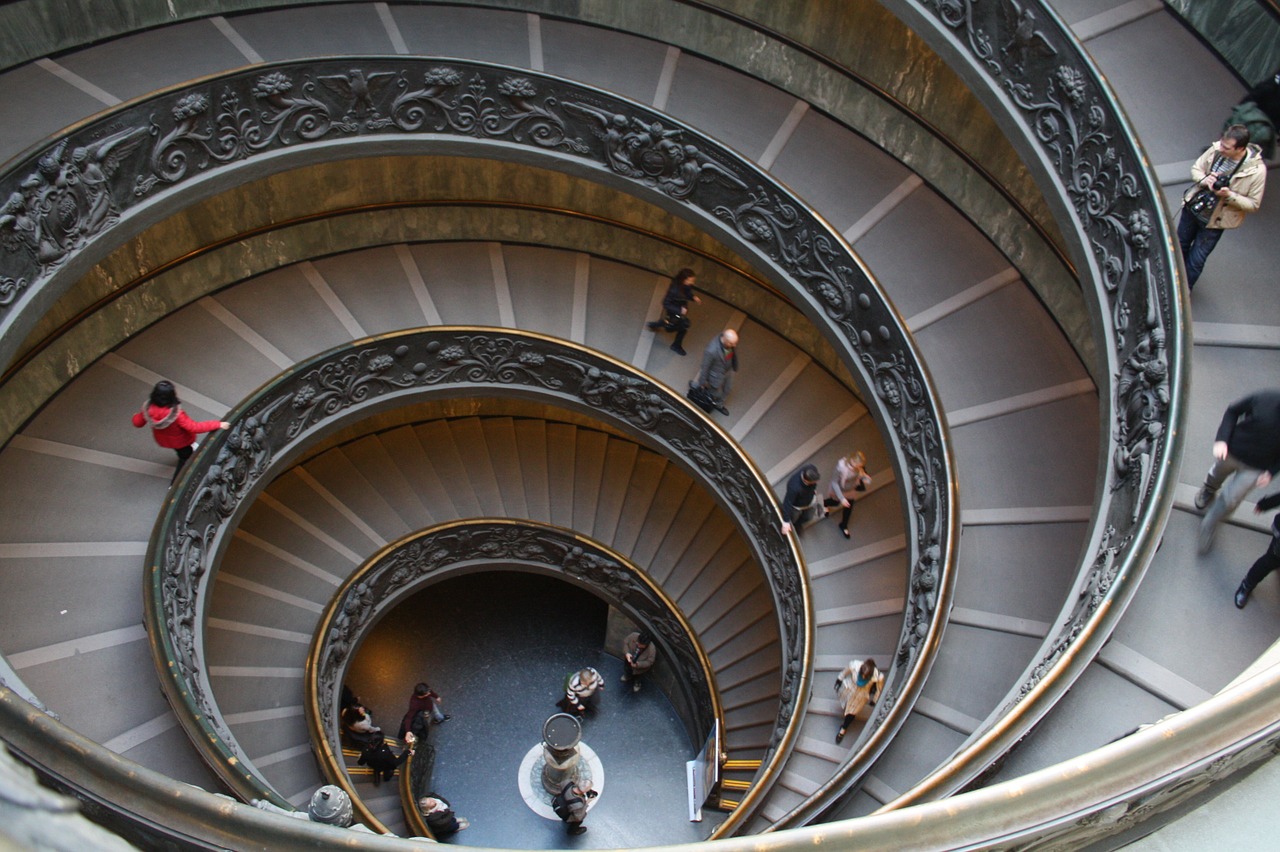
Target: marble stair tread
[(920, 267), (618, 306), (617, 62), (542, 286), (708, 583), (460, 280), (83, 493), (119, 677), (500, 441), (231, 643), (246, 689), (477, 468), (1213, 641), (49, 102), (748, 619), (696, 513), (743, 113), (1087, 713), (672, 492), (276, 528), (999, 466), (382, 302), (267, 576), (273, 734), (588, 472), (696, 555), (1178, 111), (619, 463), (844, 188), (376, 462), (283, 307), (403, 444), (1011, 348), (804, 419), (531, 438), (452, 31), (650, 471), (346, 482), (450, 469), (344, 28), (726, 593), (47, 601)]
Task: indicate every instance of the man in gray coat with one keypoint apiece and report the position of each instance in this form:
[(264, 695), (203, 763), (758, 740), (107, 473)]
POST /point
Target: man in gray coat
[(719, 363)]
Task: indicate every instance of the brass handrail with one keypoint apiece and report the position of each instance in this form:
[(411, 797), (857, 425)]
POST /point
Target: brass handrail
[(426, 557), (1081, 140), (324, 393)]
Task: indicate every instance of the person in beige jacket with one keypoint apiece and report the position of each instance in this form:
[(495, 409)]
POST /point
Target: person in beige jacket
[(1232, 172)]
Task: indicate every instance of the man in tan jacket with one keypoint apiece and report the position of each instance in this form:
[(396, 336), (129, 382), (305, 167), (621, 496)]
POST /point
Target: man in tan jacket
[(1231, 171)]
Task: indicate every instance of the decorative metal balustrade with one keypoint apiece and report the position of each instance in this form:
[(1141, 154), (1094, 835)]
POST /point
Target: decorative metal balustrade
[(1027, 66), (73, 201), (1024, 62), (427, 557), (346, 385)]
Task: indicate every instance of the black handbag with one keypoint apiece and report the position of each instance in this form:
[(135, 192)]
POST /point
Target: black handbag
[(702, 398)]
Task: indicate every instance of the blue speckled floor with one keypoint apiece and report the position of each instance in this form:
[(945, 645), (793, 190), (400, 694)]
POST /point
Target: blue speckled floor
[(497, 648)]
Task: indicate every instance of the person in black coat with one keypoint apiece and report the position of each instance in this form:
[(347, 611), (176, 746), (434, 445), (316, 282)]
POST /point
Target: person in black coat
[(675, 308), (801, 497), (1268, 561), (384, 762), (1246, 452)]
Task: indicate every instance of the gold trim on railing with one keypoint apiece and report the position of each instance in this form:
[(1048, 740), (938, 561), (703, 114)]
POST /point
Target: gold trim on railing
[(409, 802), (333, 769)]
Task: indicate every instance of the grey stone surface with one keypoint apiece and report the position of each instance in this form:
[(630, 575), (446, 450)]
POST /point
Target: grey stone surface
[(1011, 347), (1007, 462), (331, 29), (1178, 111), (742, 113), (451, 31), (131, 67), (616, 61), (1023, 570), (836, 170), (47, 599), (918, 253), (48, 103)]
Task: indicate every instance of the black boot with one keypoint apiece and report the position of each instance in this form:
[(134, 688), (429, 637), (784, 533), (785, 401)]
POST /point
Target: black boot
[(677, 344), (1242, 595)]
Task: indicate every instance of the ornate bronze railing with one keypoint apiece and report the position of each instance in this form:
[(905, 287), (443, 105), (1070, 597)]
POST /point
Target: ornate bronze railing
[(411, 564), (347, 384), (1031, 69), (131, 165)]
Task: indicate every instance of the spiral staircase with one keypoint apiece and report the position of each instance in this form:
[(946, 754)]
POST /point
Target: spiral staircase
[(1016, 370)]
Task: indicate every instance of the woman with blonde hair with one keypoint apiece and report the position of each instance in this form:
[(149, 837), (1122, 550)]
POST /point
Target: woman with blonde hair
[(849, 478)]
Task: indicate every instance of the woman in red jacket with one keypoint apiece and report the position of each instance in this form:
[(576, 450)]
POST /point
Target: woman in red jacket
[(170, 425)]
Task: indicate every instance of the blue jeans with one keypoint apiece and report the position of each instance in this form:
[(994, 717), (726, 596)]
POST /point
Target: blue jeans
[(1197, 241)]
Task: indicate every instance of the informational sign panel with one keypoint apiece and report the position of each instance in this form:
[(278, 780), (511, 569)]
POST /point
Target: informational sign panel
[(704, 773)]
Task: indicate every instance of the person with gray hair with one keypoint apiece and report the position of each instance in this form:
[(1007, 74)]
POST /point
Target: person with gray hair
[(719, 363)]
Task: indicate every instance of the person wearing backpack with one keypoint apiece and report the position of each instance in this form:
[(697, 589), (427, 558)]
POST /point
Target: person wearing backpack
[(570, 804)]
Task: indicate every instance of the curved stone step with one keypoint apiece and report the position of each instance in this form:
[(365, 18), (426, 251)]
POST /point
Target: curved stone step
[(955, 281)]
